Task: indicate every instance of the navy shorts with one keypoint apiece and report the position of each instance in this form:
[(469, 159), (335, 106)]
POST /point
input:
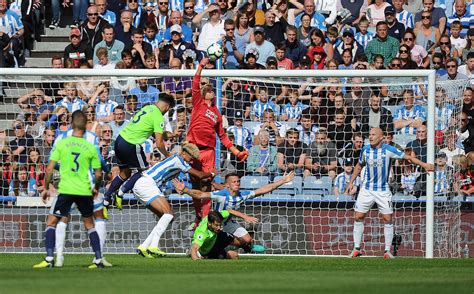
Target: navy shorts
[(130, 155), (62, 208), (218, 251)]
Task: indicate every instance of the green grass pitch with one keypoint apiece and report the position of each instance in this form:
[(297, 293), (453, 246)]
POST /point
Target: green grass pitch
[(133, 274)]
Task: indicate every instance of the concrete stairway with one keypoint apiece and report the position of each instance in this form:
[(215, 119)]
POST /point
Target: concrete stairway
[(53, 43)]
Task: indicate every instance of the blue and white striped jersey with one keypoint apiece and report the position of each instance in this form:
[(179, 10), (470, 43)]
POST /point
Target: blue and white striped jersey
[(441, 181), (294, 112), (467, 21), (15, 6), (222, 200), (317, 21), (168, 169), (176, 5), (377, 166), (259, 107), (409, 180), (307, 137), (443, 116), (342, 180), (110, 17), (154, 42), (416, 112), (406, 18), (76, 104), (364, 39), (104, 109), (243, 136), (147, 146), (10, 23)]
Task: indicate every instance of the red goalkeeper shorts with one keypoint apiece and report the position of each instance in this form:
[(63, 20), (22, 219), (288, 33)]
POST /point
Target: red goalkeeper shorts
[(207, 160)]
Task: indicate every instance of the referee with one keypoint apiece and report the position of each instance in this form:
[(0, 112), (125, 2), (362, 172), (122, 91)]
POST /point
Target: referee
[(76, 156)]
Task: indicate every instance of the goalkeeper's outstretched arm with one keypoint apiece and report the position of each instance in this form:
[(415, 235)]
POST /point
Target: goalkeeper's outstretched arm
[(270, 187)]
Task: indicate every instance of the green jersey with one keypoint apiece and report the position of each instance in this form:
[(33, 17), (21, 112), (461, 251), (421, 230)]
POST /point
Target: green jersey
[(76, 156), (204, 237), (145, 122)]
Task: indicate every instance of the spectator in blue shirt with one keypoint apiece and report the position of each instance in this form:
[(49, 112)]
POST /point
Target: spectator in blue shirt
[(145, 93)]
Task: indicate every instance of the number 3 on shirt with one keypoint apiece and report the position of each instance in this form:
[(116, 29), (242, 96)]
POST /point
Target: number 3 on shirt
[(138, 116), (76, 156)]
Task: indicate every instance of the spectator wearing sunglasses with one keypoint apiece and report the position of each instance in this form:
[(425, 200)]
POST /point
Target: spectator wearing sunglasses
[(92, 28), (452, 68)]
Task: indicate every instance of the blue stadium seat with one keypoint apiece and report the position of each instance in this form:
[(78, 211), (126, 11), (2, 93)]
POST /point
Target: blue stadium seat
[(470, 199), (317, 186), (179, 197), (250, 183), (399, 197), (292, 188), (458, 199), (290, 125), (308, 197), (340, 198)]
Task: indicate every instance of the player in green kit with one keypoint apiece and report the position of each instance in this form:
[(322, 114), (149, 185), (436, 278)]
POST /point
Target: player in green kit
[(209, 241), (147, 121), (76, 157)]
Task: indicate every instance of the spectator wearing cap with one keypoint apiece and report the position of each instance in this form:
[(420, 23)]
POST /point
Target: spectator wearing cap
[(305, 62), (92, 28), (462, 15), (404, 17), (295, 49), (77, 52), (264, 48), (274, 30), (114, 46), (272, 63), (382, 44), (317, 19), (348, 42), (176, 19), (235, 55), (395, 29), (212, 31), (262, 159), (178, 45), (443, 175), (242, 135), (340, 183), (250, 61), (438, 17), (292, 154), (20, 144)]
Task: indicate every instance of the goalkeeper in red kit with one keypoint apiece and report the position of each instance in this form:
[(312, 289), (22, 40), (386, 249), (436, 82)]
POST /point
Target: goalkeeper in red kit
[(206, 121)]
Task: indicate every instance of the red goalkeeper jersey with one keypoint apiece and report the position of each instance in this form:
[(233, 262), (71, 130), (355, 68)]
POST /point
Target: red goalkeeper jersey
[(206, 121)]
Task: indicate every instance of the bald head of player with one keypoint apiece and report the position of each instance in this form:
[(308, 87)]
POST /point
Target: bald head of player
[(375, 137), (79, 121)]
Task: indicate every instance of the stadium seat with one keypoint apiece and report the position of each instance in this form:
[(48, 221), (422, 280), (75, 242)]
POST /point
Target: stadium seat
[(470, 199), (400, 197), (250, 183), (340, 198), (179, 197), (440, 198), (290, 125), (317, 186), (308, 197), (392, 108), (292, 188), (458, 199)]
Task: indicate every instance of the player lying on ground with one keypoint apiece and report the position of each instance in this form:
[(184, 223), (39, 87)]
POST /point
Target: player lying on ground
[(206, 121), (147, 121), (100, 220), (375, 189), (76, 157), (149, 190), (210, 241), (232, 198)]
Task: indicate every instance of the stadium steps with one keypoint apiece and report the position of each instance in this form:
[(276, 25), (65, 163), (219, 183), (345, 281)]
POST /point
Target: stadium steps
[(52, 43)]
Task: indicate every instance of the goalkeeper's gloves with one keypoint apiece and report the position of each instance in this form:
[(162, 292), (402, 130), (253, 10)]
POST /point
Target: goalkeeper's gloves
[(241, 155)]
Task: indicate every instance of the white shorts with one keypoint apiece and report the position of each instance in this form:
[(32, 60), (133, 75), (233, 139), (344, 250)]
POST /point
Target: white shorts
[(146, 191), (366, 200)]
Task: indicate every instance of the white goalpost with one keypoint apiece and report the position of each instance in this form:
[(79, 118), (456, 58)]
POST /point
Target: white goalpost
[(305, 217)]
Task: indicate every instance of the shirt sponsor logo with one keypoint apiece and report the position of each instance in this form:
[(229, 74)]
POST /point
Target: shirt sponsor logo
[(211, 115)]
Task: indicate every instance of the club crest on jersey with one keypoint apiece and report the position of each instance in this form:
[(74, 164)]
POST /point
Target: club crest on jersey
[(211, 115)]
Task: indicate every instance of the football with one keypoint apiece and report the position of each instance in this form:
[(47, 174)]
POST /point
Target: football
[(214, 51)]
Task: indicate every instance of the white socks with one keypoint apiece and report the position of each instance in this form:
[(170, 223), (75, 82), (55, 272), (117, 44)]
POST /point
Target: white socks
[(160, 228), (358, 232), (388, 233), (101, 231), (60, 237)]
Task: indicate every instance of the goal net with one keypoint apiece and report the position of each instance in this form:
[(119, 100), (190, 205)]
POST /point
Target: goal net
[(314, 124)]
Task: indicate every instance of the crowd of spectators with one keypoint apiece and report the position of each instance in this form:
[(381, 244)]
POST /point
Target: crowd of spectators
[(303, 127)]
